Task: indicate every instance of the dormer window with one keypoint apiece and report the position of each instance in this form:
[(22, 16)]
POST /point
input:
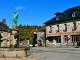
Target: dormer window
[(50, 29), (73, 14), (57, 17)]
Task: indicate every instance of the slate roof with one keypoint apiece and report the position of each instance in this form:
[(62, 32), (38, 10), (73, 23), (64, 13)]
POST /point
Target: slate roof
[(3, 27), (67, 15)]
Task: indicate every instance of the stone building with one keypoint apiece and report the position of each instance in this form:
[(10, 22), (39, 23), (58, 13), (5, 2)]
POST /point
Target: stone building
[(3, 32), (7, 36), (64, 28), (41, 34)]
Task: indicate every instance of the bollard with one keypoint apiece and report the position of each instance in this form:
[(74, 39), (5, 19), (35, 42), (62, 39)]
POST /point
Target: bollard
[(31, 48)]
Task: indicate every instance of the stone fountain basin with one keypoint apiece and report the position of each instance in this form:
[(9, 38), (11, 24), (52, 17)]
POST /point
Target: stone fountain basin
[(14, 52)]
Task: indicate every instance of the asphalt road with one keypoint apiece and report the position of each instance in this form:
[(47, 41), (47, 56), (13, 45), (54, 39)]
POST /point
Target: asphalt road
[(58, 53)]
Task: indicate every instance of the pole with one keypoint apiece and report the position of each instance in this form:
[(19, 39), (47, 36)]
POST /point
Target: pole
[(19, 41)]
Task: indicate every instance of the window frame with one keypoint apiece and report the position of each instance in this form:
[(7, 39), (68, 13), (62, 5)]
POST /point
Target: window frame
[(74, 26), (73, 14), (65, 27), (57, 28), (50, 29)]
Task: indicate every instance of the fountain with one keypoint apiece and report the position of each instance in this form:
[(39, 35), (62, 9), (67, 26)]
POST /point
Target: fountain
[(10, 46)]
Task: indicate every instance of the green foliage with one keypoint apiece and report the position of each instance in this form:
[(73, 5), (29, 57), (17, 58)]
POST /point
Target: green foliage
[(31, 41), (26, 31), (22, 39)]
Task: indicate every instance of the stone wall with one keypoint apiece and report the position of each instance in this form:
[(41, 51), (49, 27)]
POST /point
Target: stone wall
[(24, 43), (48, 44), (17, 52), (8, 39), (5, 39)]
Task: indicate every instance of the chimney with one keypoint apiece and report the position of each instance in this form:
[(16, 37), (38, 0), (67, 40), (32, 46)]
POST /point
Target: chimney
[(4, 21)]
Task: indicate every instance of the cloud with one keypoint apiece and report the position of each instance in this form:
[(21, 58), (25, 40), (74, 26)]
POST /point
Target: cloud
[(19, 8)]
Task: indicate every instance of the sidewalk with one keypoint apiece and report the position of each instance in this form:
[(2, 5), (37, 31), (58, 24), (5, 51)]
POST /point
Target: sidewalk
[(31, 57), (63, 46)]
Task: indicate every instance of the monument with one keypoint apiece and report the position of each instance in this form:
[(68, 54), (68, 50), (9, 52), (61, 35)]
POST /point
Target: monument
[(14, 30), (9, 48), (14, 20)]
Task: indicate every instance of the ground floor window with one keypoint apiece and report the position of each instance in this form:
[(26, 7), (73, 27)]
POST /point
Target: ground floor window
[(50, 39), (74, 38), (58, 39)]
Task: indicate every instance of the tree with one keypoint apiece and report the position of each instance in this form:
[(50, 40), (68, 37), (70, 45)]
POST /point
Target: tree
[(27, 31)]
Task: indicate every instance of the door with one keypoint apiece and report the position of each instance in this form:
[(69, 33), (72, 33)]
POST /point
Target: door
[(65, 40)]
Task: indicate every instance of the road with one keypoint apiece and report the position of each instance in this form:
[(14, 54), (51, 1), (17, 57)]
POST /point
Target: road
[(58, 53)]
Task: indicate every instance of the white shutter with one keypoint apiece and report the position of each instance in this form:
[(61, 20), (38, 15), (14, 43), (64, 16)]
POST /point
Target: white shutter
[(56, 27), (64, 27)]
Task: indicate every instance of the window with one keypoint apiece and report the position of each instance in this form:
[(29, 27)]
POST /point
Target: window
[(57, 29), (57, 17), (65, 27), (50, 29), (73, 14), (50, 39), (74, 26), (74, 38), (58, 39)]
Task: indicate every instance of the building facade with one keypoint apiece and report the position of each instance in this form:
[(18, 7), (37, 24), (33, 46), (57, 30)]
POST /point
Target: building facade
[(8, 37), (41, 35), (64, 29)]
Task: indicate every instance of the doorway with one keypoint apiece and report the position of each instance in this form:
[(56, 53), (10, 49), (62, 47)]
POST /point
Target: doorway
[(65, 39)]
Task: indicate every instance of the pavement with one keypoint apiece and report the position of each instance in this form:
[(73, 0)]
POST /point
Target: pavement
[(58, 53), (49, 53)]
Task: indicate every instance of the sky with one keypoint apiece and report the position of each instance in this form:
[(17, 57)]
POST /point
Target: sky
[(33, 12)]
